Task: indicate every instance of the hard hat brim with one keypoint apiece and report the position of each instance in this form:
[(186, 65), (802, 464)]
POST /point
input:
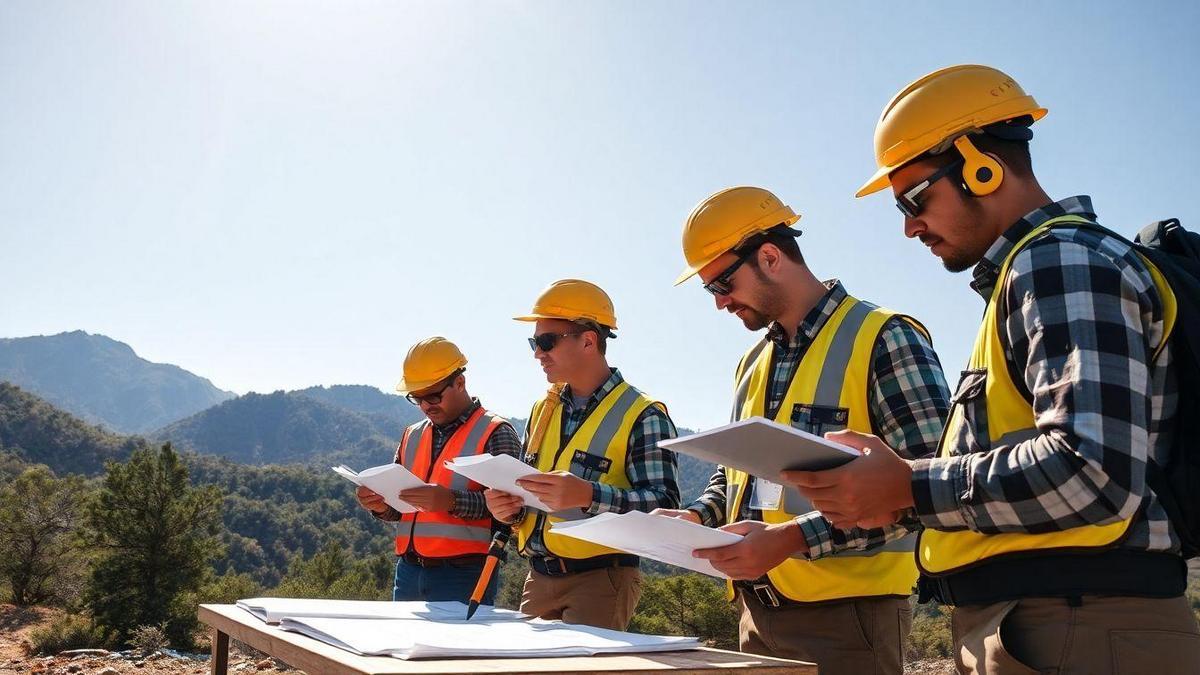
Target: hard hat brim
[(405, 386), (687, 274), (876, 182), (610, 324)]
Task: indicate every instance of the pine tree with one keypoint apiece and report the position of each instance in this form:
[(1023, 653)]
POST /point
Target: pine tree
[(39, 516), (687, 604), (155, 535)]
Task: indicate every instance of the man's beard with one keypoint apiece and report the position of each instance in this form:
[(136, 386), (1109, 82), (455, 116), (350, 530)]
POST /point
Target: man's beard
[(756, 319), (958, 263), (959, 260)]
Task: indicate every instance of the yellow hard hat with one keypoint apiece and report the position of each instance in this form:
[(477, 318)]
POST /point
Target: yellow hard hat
[(428, 362), (725, 220), (941, 106), (573, 300)]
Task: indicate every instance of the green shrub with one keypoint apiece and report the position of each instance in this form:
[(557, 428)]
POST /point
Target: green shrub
[(687, 604), (70, 631), (334, 573), (931, 637), (229, 588), (149, 639)]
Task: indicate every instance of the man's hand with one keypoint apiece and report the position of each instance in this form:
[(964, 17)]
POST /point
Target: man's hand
[(559, 490), (370, 500), (870, 491), (504, 506), (764, 548), (429, 498), (682, 514)]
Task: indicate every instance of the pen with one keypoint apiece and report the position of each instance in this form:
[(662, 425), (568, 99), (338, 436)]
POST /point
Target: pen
[(494, 555)]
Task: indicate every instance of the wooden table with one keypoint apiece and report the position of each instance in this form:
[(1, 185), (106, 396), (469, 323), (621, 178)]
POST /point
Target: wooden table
[(318, 658)]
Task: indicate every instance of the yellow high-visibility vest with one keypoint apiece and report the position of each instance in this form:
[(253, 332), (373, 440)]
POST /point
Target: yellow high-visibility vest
[(987, 389), (595, 452), (830, 381)]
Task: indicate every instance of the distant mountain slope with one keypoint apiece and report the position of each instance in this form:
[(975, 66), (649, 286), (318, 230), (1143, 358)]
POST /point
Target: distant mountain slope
[(104, 381), (369, 401), (286, 428), (693, 473), (39, 433), (271, 513)]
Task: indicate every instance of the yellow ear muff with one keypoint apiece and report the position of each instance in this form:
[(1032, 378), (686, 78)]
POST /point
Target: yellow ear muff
[(981, 174)]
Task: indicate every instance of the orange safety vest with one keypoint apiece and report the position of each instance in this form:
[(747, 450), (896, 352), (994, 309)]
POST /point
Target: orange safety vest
[(443, 535)]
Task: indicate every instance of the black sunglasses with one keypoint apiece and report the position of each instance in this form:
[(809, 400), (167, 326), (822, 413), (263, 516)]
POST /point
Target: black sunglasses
[(547, 341), (907, 201), (436, 397), (722, 284)]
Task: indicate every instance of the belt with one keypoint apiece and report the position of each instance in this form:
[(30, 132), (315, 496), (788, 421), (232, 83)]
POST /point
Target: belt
[(472, 560), (765, 593), (557, 567), (1063, 575)]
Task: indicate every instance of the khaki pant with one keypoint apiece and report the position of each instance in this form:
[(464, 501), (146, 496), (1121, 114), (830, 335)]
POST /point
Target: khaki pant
[(1103, 635), (855, 637), (605, 598)]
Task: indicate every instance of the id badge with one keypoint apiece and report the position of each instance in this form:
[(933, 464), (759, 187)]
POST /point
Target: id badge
[(767, 496)]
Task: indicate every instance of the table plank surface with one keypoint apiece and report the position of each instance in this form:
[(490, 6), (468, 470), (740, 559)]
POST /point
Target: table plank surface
[(314, 656)]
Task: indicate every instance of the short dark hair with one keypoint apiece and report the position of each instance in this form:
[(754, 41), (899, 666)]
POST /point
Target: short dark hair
[(781, 237), (1013, 154), (602, 333)]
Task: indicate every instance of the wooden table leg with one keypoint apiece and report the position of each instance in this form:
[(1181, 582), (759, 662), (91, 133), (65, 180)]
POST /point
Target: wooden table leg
[(220, 653)]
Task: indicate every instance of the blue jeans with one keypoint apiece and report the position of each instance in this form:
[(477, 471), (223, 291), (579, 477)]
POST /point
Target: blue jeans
[(433, 584)]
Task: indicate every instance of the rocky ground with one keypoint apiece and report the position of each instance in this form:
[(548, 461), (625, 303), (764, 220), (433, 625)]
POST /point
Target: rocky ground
[(17, 622)]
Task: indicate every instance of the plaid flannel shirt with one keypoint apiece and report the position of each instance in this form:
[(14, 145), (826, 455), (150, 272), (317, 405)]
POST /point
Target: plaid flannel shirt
[(1080, 320), (907, 404), (650, 469)]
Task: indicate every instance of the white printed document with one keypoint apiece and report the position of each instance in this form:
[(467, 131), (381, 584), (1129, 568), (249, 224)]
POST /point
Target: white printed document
[(407, 639), (762, 448), (273, 610), (499, 472), (661, 538), (387, 481)]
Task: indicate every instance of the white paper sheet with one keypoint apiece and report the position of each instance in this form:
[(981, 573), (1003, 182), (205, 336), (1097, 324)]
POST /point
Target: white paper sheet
[(407, 639), (661, 538), (387, 480), (762, 447), (272, 610), (499, 472)]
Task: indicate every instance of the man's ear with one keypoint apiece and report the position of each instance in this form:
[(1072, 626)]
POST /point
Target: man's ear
[(769, 256)]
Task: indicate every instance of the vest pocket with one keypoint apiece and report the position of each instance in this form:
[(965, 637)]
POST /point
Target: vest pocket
[(588, 466), (970, 402), (819, 419)]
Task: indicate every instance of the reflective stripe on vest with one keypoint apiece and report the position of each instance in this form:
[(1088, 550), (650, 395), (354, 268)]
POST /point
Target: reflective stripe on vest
[(988, 389), (833, 374), (604, 434), (441, 534)]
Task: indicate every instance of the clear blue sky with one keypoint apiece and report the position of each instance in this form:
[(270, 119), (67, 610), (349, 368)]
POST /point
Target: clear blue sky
[(281, 194)]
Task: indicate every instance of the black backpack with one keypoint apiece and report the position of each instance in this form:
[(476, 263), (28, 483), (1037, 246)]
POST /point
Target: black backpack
[(1176, 253)]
